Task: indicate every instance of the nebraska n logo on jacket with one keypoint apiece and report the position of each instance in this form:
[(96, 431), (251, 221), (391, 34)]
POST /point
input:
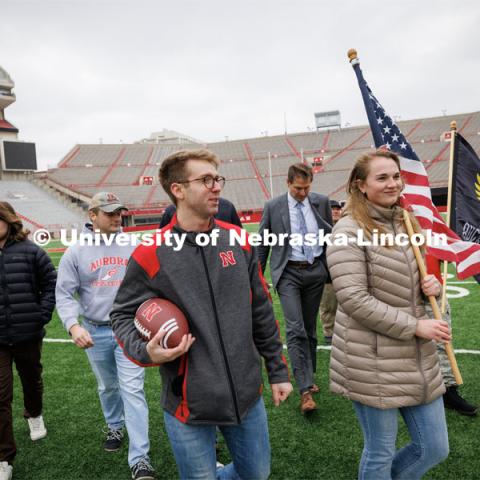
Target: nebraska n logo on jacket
[(227, 258)]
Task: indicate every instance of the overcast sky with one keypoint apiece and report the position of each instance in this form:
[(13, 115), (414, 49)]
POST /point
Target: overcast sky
[(119, 70)]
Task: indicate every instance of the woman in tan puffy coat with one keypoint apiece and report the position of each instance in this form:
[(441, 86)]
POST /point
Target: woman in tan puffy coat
[(383, 354)]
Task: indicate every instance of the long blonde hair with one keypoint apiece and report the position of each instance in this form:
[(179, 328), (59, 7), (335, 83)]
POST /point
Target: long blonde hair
[(357, 203)]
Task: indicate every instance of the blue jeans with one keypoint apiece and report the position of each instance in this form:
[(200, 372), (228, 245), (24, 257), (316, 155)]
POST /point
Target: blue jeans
[(194, 447), (429, 446), (120, 388)]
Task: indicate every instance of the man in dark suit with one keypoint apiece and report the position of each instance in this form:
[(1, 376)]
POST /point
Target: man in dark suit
[(226, 213), (298, 272)]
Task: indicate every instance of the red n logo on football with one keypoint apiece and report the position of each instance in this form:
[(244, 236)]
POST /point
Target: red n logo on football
[(227, 258), (150, 311)]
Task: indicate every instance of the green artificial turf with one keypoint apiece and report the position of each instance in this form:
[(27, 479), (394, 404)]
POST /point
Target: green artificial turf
[(326, 445)]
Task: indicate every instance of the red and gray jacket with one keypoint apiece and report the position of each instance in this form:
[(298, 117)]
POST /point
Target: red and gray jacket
[(223, 294)]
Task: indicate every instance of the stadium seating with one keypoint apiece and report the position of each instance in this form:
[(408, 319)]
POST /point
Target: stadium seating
[(90, 155), (236, 169), (89, 168), (75, 177), (37, 208)]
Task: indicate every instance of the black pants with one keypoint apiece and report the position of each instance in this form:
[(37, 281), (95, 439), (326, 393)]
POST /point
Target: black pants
[(27, 361)]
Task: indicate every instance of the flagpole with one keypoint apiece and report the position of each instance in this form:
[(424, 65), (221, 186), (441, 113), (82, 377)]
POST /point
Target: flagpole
[(270, 173), (453, 130), (433, 302)]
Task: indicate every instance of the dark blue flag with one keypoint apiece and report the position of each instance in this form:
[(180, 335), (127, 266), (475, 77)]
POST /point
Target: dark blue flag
[(465, 212)]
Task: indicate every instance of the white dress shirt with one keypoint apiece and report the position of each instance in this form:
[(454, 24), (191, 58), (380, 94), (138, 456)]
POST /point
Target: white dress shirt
[(312, 227)]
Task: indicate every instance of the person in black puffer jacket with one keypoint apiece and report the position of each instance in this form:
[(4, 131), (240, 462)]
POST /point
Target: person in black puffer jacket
[(27, 300)]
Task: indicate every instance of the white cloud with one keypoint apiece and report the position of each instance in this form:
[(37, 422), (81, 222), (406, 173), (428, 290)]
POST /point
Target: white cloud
[(119, 70)]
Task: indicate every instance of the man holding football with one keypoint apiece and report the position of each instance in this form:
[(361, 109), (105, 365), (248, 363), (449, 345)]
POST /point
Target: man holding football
[(88, 280), (213, 377)]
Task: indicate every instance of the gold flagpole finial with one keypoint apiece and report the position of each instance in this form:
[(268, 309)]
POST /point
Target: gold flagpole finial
[(453, 125), (352, 54)]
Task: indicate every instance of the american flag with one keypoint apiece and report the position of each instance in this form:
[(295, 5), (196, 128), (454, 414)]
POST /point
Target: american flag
[(417, 194)]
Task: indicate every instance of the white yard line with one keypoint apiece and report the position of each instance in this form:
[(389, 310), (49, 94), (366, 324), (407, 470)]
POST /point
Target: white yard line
[(320, 347)]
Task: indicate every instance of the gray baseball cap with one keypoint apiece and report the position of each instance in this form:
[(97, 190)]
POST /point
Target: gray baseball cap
[(107, 202)]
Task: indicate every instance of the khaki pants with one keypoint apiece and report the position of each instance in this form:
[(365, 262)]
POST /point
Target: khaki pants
[(445, 367), (328, 309)]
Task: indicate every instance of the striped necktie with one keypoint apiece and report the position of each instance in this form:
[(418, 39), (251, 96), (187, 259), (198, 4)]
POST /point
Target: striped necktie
[(307, 249)]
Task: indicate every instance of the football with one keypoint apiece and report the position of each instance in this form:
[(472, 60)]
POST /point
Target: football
[(158, 313)]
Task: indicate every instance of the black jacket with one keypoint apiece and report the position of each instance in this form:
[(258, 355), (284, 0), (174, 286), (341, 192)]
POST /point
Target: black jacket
[(27, 292), (226, 213)]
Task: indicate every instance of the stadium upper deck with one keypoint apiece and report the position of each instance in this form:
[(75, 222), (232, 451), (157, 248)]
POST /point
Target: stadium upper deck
[(122, 169)]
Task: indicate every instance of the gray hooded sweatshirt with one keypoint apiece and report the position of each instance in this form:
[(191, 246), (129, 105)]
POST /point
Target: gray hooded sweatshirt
[(88, 280)]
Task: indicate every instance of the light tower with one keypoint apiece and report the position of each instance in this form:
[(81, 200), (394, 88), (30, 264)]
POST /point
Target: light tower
[(16, 156), (7, 97)]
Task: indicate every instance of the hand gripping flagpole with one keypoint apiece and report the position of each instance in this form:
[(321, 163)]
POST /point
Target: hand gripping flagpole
[(453, 133), (433, 302)]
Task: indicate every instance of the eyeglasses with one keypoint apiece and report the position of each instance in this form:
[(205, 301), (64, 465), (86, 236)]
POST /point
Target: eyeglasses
[(208, 181)]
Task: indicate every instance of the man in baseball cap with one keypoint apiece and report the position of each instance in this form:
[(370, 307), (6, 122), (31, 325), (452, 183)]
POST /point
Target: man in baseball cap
[(336, 210), (88, 280), (328, 305), (108, 202)]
